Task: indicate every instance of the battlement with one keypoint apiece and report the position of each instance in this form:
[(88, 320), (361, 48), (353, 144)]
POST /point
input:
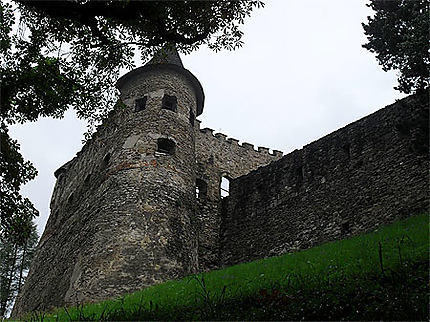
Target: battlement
[(223, 138)]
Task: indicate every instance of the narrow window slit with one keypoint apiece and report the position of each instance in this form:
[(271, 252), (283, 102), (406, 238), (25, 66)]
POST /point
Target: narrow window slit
[(192, 117), (299, 176), (201, 189), (225, 187), (347, 149), (106, 158)]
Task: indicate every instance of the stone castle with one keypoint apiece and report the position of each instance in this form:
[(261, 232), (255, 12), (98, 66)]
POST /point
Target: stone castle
[(142, 202)]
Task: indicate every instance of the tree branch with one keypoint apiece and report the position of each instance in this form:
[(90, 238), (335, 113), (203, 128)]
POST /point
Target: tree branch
[(123, 12)]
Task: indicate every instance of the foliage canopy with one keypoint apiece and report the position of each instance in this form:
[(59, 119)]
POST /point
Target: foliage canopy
[(399, 36)]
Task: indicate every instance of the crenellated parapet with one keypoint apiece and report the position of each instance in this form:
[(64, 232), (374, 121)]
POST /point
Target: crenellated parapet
[(223, 138), (228, 157)]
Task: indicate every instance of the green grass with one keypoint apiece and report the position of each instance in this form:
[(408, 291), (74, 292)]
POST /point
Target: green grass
[(381, 275)]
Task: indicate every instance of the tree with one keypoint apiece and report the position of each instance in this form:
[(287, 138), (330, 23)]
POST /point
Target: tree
[(399, 36), (16, 211), (65, 54), (15, 259)]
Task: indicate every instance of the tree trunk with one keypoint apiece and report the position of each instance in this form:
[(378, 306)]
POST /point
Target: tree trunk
[(21, 267)]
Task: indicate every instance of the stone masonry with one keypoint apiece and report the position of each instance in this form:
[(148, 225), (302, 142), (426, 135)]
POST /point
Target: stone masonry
[(141, 202), (124, 212), (369, 173)]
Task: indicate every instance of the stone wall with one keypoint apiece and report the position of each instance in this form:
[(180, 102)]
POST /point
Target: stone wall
[(366, 174), (218, 156)]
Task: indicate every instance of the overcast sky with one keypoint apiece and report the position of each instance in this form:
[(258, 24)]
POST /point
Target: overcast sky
[(301, 74)]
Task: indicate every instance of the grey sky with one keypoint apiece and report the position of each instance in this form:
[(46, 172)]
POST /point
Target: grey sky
[(301, 74)]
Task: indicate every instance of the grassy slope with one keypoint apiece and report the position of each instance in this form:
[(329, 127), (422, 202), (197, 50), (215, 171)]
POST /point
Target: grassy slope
[(381, 275)]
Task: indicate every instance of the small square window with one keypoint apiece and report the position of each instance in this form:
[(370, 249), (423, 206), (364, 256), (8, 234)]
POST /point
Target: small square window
[(169, 103), (140, 104), (345, 228), (166, 146)]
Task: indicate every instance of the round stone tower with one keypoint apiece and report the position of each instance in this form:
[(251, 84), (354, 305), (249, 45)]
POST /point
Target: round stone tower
[(153, 166), (157, 161), (123, 210), (150, 160)]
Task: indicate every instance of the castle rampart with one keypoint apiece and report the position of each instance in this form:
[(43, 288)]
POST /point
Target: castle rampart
[(366, 174)]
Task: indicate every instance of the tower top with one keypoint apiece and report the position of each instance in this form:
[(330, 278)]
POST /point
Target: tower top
[(166, 59), (166, 56)]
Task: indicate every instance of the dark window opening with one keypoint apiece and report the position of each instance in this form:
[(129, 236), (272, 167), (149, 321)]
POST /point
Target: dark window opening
[(347, 149), (345, 228), (403, 128), (201, 189), (192, 117), (140, 104), (169, 103), (166, 146), (70, 199), (225, 187), (87, 178), (299, 172), (106, 158)]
